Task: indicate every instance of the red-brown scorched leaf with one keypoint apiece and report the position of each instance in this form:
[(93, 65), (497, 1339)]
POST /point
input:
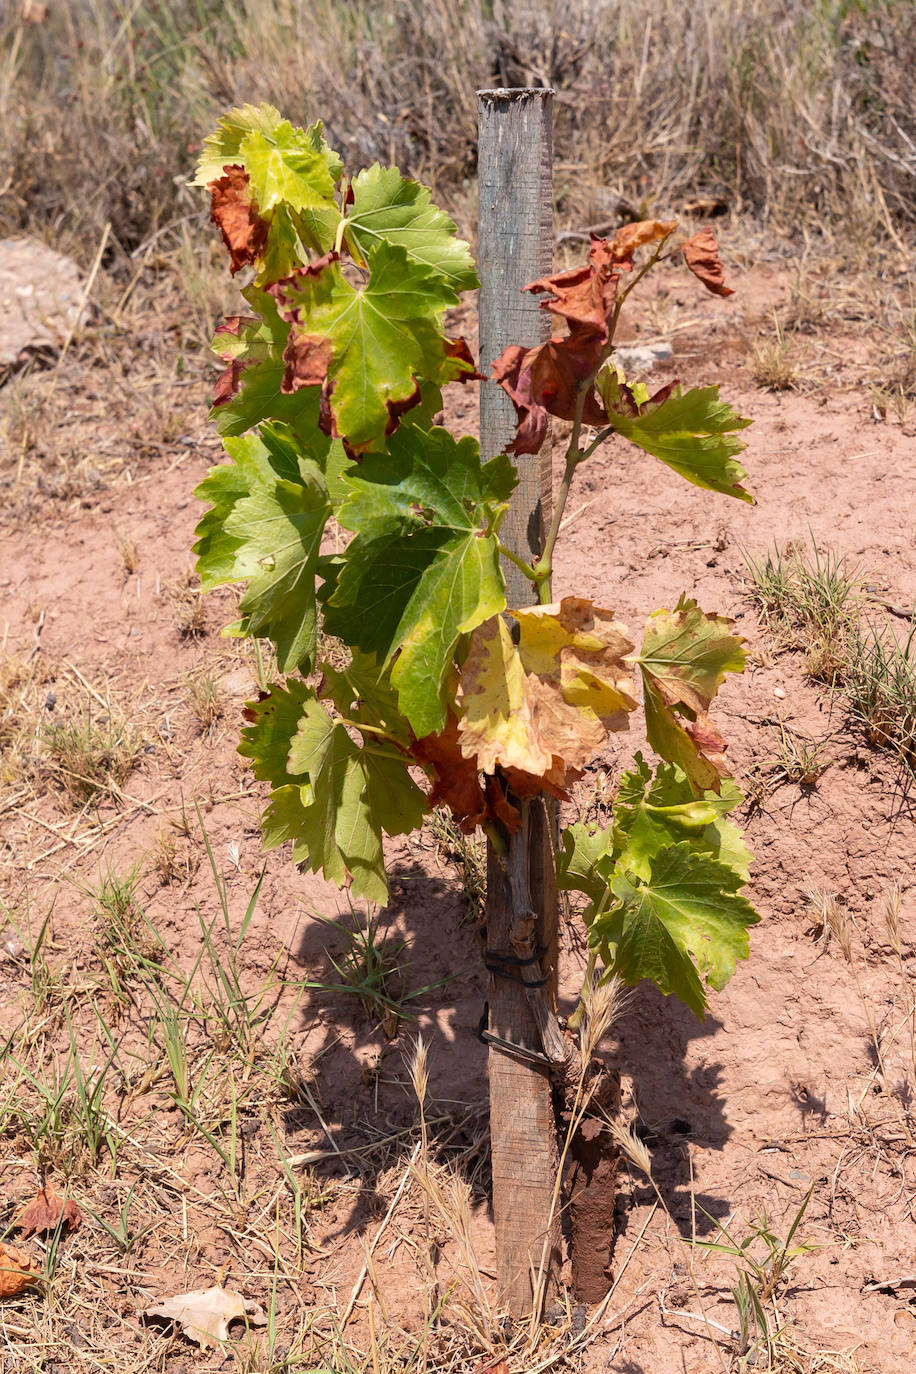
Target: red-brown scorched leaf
[(45, 1211), (18, 1270), (458, 349), (456, 783), (701, 253), (545, 380), (234, 210)]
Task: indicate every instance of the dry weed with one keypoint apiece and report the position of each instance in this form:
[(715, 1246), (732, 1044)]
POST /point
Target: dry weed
[(127, 552), (205, 696), (721, 126), (90, 752), (171, 857), (187, 605), (773, 367)]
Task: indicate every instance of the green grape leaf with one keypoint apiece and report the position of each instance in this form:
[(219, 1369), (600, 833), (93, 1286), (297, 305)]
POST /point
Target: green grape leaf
[(266, 740), (291, 166), (292, 177), (256, 460), (368, 347), (357, 793), (362, 692), (692, 431), (250, 390), (273, 721), (684, 658), (222, 146), (223, 488), (585, 847), (687, 923), (285, 195), (421, 571), (654, 811), (280, 528), (283, 818), (388, 207)]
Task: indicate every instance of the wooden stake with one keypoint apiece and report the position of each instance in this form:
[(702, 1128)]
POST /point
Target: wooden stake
[(515, 247)]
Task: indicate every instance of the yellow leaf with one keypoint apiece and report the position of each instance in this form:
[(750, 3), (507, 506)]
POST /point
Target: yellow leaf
[(497, 723), (580, 647), (544, 708)]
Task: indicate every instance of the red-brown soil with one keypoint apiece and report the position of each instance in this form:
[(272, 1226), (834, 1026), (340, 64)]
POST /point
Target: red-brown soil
[(776, 1091)]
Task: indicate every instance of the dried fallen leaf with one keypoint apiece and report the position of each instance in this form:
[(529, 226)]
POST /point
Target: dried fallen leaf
[(701, 253), (18, 1270), (205, 1314), (45, 1212)]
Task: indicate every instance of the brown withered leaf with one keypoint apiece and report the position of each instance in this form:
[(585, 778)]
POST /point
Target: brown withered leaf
[(230, 342), (456, 783), (18, 1270), (500, 807), (585, 296), (45, 1211), (459, 350), (545, 380), (234, 210), (632, 236), (701, 253), (540, 712), (307, 358)]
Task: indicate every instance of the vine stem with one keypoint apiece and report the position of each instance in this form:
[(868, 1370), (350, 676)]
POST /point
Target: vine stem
[(543, 569), (574, 456)]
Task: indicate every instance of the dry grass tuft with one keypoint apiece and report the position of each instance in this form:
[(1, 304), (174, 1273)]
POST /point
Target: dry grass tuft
[(127, 552), (205, 697), (89, 753), (800, 114), (773, 366), (468, 855), (24, 695), (187, 605), (171, 857)]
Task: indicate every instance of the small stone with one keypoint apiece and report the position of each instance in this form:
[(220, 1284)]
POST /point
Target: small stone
[(779, 694), (642, 358), (41, 300), (11, 947)]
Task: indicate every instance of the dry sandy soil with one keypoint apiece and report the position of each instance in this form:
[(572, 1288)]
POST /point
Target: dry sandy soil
[(777, 1091)]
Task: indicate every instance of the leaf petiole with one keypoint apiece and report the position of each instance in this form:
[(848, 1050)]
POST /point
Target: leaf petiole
[(526, 568), (369, 729), (597, 441)]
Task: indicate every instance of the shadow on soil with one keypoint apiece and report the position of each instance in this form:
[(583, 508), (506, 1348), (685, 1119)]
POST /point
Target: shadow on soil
[(364, 1082), (676, 1105)]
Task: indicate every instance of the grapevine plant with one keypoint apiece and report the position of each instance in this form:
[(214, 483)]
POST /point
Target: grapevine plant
[(327, 408)]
